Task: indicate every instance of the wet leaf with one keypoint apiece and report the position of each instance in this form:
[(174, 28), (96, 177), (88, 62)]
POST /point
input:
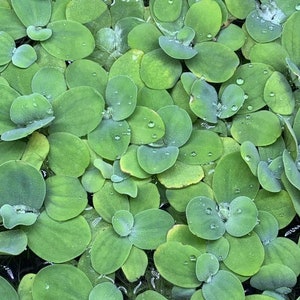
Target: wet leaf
[(24, 56), (207, 265), (9, 293), (105, 290), (7, 47), (13, 242)]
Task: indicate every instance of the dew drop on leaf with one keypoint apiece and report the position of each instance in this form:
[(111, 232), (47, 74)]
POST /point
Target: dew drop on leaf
[(210, 154), (151, 124), (193, 154), (234, 108), (193, 258), (250, 107), (208, 211), (240, 81), (297, 7), (237, 190), (213, 226), (117, 137), (272, 94)]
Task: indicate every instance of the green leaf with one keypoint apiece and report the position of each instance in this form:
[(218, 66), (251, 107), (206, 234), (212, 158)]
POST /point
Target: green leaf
[(239, 8), (176, 263), (203, 101), (178, 125), (29, 108), (24, 56), (205, 17), (290, 41), (86, 72), (159, 71), (65, 198), (107, 202), (7, 47), (109, 251), (250, 155), (105, 290), (11, 151), (150, 295), (232, 36), (261, 29), (246, 254), (68, 154), (38, 33), (267, 178), (150, 228), (122, 222), (13, 242), (156, 160), (167, 11), (74, 115), (181, 175), (207, 265), (211, 58), (284, 251), (232, 100), (70, 40), (203, 218), (278, 94), (242, 216), (7, 291), (291, 170), (51, 240), (29, 186), (92, 10), (262, 128), (219, 248), (114, 134), (273, 276), (267, 227), (175, 49), (224, 285), (49, 82), (135, 265), (232, 178), (13, 216), (121, 97), (50, 283)]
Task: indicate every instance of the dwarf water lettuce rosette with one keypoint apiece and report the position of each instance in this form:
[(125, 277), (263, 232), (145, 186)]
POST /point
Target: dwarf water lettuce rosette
[(149, 149)]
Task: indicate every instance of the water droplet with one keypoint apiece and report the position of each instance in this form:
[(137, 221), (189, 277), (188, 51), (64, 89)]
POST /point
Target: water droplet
[(154, 136), (47, 287), (193, 258), (239, 81), (170, 1), (250, 66), (151, 124), (272, 94), (247, 158), (34, 104), (154, 151), (94, 74), (246, 96), (185, 262), (208, 211), (167, 153), (193, 154), (117, 137), (264, 31), (238, 211), (49, 111), (209, 36), (266, 72), (271, 27), (250, 107), (297, 7), (248, 117), (209, 154), (83, 44), (237, 191), (234, 108), (213, 226)]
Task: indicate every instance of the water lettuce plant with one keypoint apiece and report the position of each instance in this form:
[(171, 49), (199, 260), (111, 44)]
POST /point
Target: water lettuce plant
[(149, 149)]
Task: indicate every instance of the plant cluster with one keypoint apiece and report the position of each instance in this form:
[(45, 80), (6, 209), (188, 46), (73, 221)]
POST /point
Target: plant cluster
[(150, 150)]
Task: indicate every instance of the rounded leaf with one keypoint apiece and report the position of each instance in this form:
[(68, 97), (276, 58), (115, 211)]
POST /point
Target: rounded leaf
[(109, 251), (65, 197), (156, 160), (242, 216), (50, 283), (38, 33), (176, 263), (24, 56), (246, 254), (203, 218), (70, 40), (68, 154), (105, 290), (122, 222), (159, 71), (7, 47), (7, 291), (273, 276), (29, 186), (13, 242), (50, 239), (291, 171), (74, 115), (146, 126), (224, 285), (115, 135), (167, 11), (211, 58), (207, 265), (267, 178), (262, 128), (121, 97), (150, 228), (250, 155)]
